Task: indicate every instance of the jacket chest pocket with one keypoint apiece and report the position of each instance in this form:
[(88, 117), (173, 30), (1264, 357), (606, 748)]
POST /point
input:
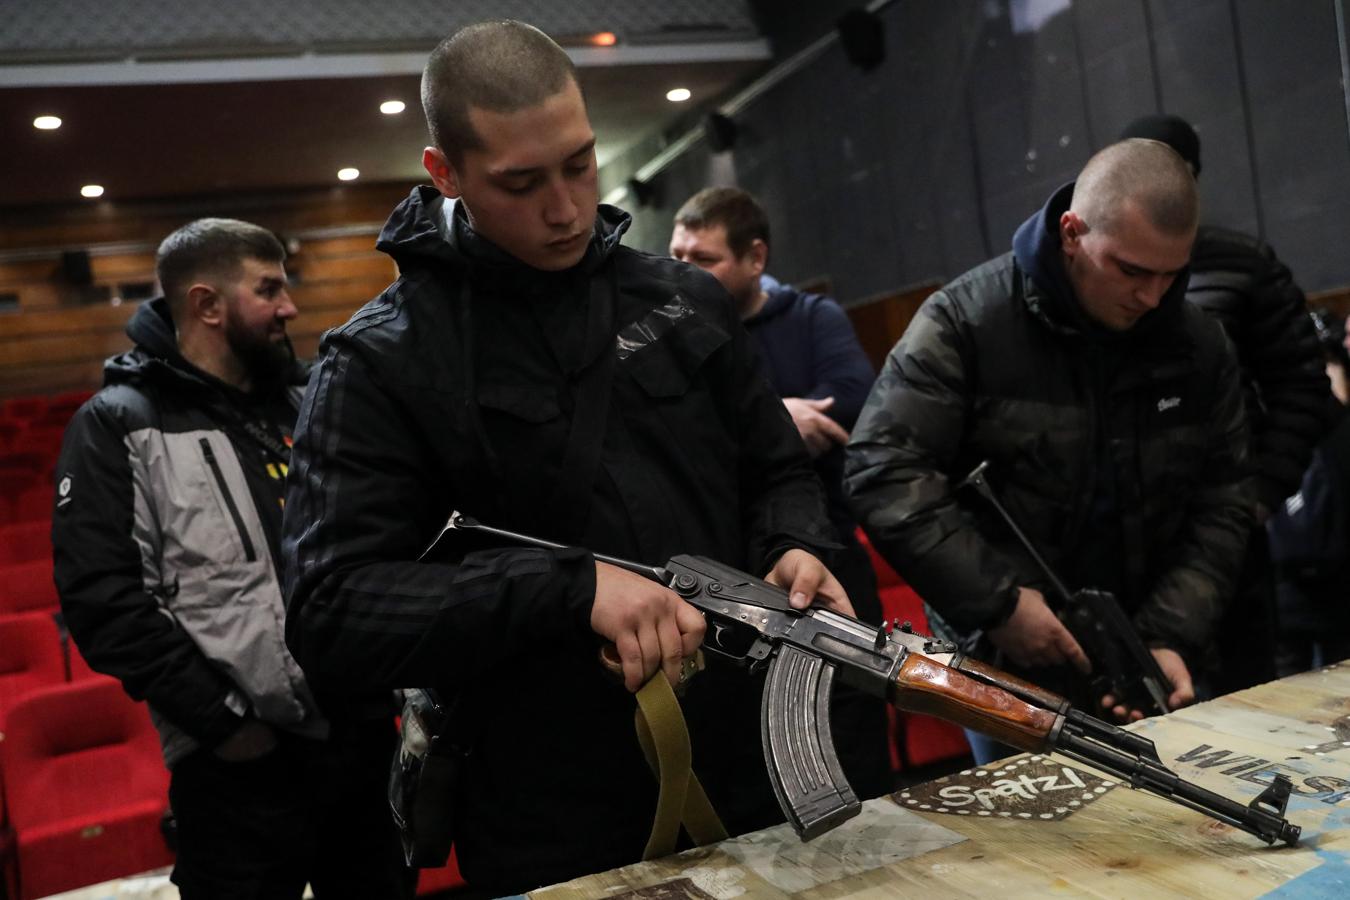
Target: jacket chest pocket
[(209, 510), (524, 424), (679, 407), (665, 367)]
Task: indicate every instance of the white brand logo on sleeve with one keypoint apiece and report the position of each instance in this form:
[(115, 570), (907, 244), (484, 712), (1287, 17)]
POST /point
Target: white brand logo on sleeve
[(1167, 403), (63, 491)]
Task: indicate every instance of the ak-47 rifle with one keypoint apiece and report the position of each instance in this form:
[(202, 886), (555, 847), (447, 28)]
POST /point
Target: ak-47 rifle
[(1121, 665), (751, 623)]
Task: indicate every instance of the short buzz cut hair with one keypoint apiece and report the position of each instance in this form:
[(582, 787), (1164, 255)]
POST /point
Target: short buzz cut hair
[(210, 248), (1141, 172), (734, 209), (502, 67)]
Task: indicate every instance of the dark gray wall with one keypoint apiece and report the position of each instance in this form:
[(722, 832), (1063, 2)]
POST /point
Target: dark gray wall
[(925, 166)]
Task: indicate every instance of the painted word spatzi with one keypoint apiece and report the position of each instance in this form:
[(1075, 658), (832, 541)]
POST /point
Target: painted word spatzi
[(1029, 787)]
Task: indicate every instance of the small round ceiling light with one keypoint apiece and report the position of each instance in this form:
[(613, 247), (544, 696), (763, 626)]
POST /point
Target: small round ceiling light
[(348, 174), (91, 191), (678, 95), (47, 123), (392, 107)]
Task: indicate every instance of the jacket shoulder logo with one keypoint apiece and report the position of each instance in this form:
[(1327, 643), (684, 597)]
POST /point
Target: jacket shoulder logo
[(1167, 403), (63, 491)]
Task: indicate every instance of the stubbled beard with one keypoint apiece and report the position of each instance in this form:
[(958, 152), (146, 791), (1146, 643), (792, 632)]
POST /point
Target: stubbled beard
[(266, 361)]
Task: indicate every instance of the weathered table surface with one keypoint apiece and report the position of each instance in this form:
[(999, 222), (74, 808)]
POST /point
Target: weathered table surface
[(1043, 827)]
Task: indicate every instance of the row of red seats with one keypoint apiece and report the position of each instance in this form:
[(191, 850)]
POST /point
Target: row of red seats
[(84, 786), (31, 430), (37, 408), (30, 660)]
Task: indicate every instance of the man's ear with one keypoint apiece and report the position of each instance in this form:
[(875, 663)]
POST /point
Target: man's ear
[(442, 173), (1071, 230), (205, 305), (759, 256)]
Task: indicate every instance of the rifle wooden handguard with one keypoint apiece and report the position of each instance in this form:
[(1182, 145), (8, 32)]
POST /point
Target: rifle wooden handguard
[(926, 686)]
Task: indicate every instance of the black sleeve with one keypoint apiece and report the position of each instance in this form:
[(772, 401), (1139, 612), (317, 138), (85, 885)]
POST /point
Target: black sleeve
[(1280, 350), (101, 532), (906, 440), (364, 500), (1240, 281)]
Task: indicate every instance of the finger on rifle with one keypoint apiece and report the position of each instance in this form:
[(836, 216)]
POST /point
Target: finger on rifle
[(1184, 693), (630, 655), (1072, 653), (650, 642), (692, 627), (834, 595), (806, 581), (672, 648)]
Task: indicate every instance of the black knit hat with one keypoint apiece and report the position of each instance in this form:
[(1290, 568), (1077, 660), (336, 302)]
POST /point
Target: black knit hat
[(1173, 131)]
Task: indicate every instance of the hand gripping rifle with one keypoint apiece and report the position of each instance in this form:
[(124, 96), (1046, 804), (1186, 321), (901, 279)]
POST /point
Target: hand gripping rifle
[(1121, 665), (751, 623)]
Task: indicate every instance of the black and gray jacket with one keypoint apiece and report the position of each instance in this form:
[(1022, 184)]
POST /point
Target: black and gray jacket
[(165, 536), (457, 389), (1240, 280), (1121, 455)]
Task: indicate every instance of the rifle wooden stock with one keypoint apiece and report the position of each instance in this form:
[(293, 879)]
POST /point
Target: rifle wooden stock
[(927, 686), (1032, 693)]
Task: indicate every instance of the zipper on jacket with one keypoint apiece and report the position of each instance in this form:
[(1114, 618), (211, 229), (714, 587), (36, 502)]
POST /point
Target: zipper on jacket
[(249, 553)]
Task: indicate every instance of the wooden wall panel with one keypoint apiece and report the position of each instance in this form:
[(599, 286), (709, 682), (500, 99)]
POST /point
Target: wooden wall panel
[(53, 344), (882, 319)]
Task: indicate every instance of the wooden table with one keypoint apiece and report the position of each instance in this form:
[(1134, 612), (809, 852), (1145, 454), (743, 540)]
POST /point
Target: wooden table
[(1042, 827)]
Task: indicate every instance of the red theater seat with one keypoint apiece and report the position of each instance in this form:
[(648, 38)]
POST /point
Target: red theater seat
[(28, 587), (30, 658), (446, 878), (86, 788), (25, 542), (33, 503), (25, 407)]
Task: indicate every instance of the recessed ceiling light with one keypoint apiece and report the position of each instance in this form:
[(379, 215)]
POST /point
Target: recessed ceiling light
[(348, 174), (47, 123), (678, 95), (91, 190), (392, 107), (604, 39)]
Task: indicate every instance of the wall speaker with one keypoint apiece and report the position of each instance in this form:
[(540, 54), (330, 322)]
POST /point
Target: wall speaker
[(642, 192), (863, 37), (75, 268), (719, 131)]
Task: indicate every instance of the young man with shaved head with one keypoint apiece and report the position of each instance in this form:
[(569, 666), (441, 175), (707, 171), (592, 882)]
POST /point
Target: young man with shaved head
[(529, 371), (1109, 412)]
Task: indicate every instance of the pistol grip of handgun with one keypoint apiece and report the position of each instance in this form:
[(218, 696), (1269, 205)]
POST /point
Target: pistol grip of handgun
[(798, 747)]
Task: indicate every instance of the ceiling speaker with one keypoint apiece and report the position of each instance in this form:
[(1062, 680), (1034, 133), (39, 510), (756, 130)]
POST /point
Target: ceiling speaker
[(719, 131), (75, 268), (863, 37)]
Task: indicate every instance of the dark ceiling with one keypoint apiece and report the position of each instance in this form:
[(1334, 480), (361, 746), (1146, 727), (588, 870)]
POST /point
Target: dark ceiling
[(166, 140)]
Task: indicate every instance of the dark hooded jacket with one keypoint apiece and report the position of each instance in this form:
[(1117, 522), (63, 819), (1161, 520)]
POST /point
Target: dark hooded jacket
[(166, 537), (456, 389), (1241, 281), (1122, 455)]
